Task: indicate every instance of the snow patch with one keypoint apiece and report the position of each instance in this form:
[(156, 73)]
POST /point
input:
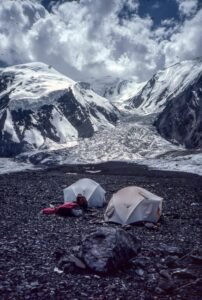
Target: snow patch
[(33, 136), (64, 129), (93, 171), (9, 128), (34, 84), (190, 163)]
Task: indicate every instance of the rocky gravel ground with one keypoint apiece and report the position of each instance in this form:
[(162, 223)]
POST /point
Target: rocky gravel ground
[(31, 244)]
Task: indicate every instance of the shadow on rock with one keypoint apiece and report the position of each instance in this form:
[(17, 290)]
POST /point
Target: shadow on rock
[(104, 251)]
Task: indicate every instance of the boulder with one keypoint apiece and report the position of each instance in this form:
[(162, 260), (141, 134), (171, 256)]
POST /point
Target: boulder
[(107, 249)]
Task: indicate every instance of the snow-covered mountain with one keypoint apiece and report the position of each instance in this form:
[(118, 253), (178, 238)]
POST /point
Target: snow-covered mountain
[(115, 89), (172, 96), (181, 119), (40, 107), (175, 96), (166, 85)]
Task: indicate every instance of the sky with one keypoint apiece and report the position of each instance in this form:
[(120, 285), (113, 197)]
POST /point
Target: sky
[(96, 38)]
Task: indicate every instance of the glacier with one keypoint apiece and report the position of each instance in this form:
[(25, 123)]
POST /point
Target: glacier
[(133, 138)]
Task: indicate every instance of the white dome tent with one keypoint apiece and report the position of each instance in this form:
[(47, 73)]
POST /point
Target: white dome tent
[(91, 190), (133, 204)]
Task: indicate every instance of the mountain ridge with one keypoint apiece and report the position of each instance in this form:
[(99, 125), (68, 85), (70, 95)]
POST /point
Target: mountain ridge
[(40, 106), (174, 94), (48, 111)]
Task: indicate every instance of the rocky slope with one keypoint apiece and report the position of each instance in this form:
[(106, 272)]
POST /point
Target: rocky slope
[(165, 85), (40, 107), (174, 94), (181, 120), (31, 245)]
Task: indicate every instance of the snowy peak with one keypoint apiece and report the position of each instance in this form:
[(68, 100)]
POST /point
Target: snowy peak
[(165, 85), (116, 90), (39, 107), (174, 96), (30, 83)]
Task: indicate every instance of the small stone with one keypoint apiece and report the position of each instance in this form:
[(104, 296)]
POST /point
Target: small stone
[(158, 290), (139, 262), (150, 226), (126, 227), (171, 250), (56, 270), (166, 284), (77, 261), (34, 284), (165, 274), (196, 259), (160, 266), (194, 204), (76, 248), (69, 267), (172, 261), (59, 253), (151, 270), (139, 272), (184, 273)]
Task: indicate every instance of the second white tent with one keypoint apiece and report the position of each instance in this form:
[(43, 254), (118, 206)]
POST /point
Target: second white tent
[(133, 204)]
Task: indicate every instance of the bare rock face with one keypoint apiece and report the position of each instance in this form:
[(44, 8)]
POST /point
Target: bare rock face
[(181, 120), (174, 97), (107, 249)]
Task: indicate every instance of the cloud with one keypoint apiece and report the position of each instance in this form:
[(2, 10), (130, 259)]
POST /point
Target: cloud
[(96, 38), (188, 7), (16, 22), (186, 43)]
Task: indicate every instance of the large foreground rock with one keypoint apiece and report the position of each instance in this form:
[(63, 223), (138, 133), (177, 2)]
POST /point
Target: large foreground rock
[(107, 249)]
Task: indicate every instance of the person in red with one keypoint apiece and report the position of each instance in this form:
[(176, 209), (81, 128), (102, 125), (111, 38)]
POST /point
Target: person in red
[(82, 202)]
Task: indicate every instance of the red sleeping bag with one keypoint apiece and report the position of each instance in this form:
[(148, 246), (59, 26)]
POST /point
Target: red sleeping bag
[(63, 210)]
